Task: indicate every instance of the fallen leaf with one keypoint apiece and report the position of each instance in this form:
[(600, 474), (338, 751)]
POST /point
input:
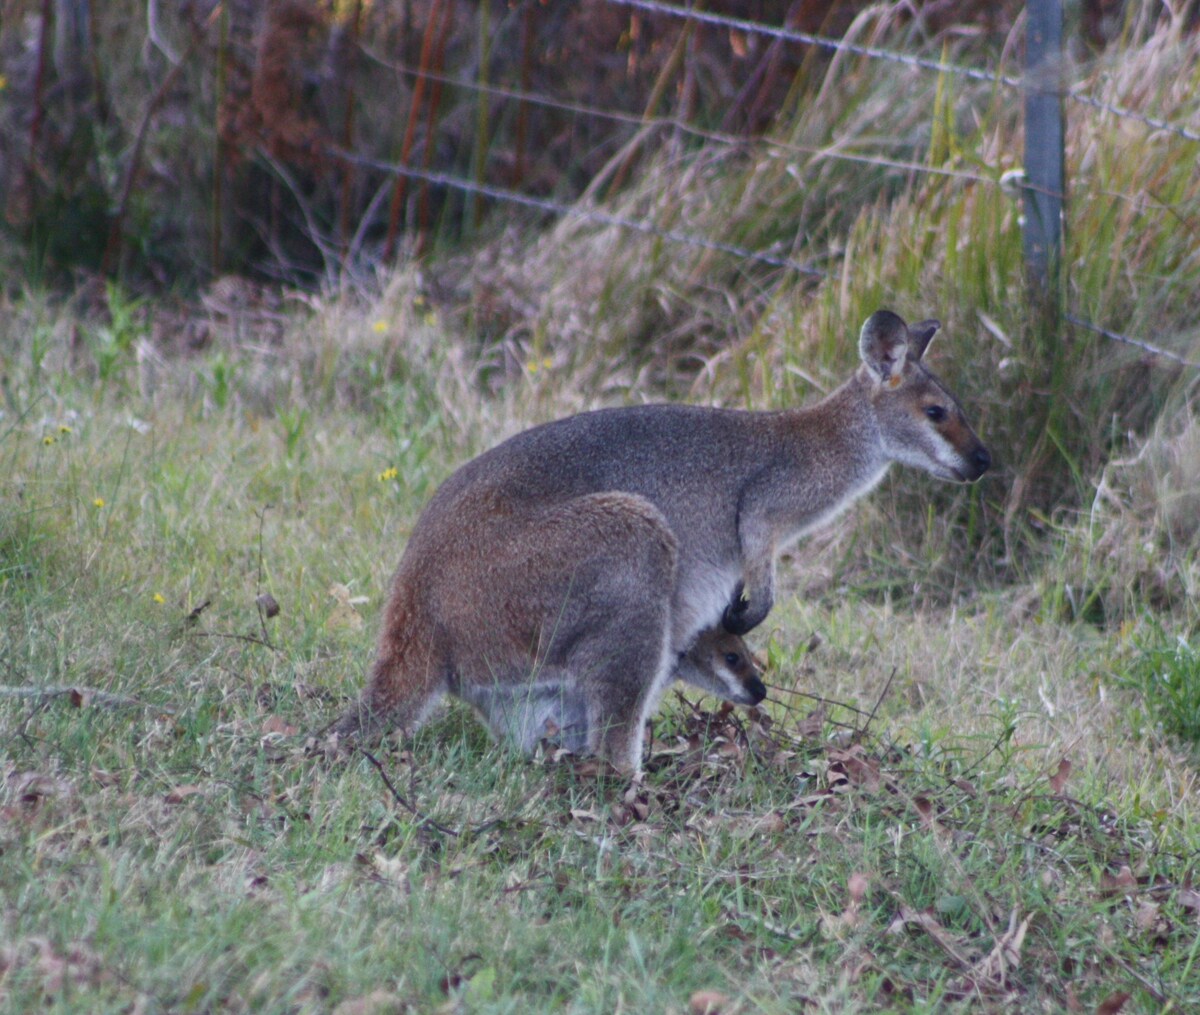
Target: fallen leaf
[(594, 768), (1145, 917), (925, 810), (275, 725), (267, 605), (859, 769), (455, 978), (771, 823), (378, 1002), (1121, 883), (344, 615), (180, 793), (102, 777), (31, 788), (707, 1002), (856, 888), (1112, 1004), (1189, 899), (1005, 955), (911, 919), (1059, 779), (75, 967), (813, 724), (389, 869), (194, 615)]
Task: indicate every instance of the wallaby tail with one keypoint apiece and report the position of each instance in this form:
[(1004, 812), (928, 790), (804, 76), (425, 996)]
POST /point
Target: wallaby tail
[(405, 681), (376, 711)]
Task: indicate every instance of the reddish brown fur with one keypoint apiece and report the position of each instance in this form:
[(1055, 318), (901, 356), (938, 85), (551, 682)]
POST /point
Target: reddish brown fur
[(565, 575)]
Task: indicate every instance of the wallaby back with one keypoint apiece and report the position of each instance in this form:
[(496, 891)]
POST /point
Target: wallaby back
[(596, 549)]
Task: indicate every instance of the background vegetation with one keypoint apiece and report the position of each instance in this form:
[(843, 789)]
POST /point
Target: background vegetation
[(992, 803)]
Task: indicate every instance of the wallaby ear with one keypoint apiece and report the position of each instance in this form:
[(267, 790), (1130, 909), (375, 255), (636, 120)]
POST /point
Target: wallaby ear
[(883, 345), (919, 336)]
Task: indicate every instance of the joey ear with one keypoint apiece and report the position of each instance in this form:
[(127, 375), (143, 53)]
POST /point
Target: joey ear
[(919, 336), (883, 345)]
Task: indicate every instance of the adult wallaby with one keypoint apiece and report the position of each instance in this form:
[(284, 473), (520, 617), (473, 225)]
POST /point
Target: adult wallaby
[(524, 707), (599, 546)]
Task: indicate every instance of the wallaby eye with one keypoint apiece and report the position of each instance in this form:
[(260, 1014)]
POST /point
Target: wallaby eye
[(732, 659), (935, 413)]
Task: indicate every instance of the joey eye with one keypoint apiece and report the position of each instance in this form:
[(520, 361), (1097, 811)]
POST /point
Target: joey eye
[(935, 413), (732, 659)]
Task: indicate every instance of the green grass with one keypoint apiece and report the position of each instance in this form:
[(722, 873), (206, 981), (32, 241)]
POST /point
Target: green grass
[(1166, 675), (181, 849), (996, 809)]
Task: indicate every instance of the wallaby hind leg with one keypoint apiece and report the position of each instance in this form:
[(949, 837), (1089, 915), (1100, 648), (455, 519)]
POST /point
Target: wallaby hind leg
[(626, 666), (614, 631), (572, 599)]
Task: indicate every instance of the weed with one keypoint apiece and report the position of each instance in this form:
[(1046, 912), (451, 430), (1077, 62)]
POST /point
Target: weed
[(1166, 676)]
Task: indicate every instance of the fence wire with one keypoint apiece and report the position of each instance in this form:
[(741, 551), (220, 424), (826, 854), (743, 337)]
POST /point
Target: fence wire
[(578, 211), (589, 213), (874, 52), (643, 122)]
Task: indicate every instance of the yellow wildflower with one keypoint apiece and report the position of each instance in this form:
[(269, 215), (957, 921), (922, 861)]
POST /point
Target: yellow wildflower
[(158, 598), (63, 428), (379, 327), (388, 474), (48, 440), (98, 502)]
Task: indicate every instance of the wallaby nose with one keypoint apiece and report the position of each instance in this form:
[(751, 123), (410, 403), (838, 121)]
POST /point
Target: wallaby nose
[(756, 689), (983, 460)]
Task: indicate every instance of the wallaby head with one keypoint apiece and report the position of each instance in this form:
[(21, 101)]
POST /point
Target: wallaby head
[(722, 664), (920, 422)]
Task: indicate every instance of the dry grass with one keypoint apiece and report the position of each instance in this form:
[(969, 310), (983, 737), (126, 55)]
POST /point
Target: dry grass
[(1012, 826), (1001, 836)]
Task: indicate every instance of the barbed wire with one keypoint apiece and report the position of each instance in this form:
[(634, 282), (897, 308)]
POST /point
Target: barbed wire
[(587, 214), (565, 211), (643, 122), (1129, 114), (576, 210), (907, 59), (1137, 343), (820, 41)]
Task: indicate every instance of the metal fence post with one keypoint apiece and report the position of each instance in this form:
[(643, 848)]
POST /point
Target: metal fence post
[(1043, 144)]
